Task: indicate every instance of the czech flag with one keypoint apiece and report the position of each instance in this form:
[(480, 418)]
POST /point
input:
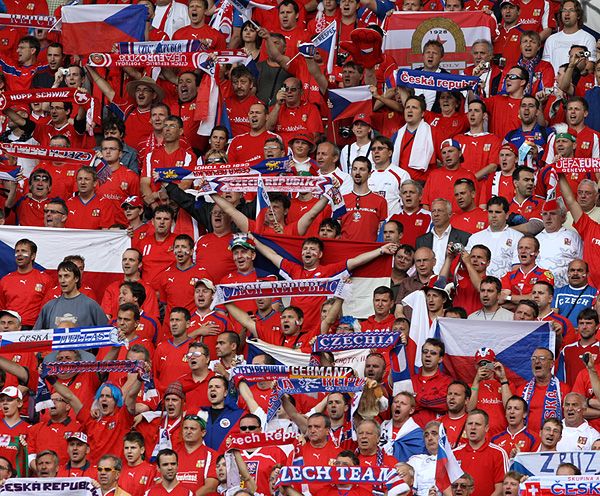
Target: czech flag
[(513, 343), (102, 251), (104, 24), (326, 41), (447, 469), (347, 102), (364, 278)]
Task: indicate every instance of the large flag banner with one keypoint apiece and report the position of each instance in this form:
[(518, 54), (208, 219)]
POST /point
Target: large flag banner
[(53, 486), (546, 462), (512, 341), (104, 24), (560, 484), (101, 250), (407, 33), (347, 102), (364, 278)]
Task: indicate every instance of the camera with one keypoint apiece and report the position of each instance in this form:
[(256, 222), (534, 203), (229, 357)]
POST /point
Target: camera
[(345, 132), (586, 357), (485, 65), (499, 60), (64, 71), (341, 58), (456, 247), (548, 91), (583, 54)]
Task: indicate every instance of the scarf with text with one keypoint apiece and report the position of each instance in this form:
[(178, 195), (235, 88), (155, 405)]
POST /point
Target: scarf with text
[(166, 46), (27, 21), (248, 183), (250, 440), (43, 400), (261, 373), (310, 385), (352, 341), (228, 293), (577, 165), (70, 155), (11, 98), (437, 81), (267, 166), (181, 60), (547, 485), (552, 399), (53, 486), (312, 474)]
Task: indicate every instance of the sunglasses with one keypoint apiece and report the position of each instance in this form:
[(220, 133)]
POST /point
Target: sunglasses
[(193, 354), (245, 428), (53, 212), (40, 178), (513, 77), (105, 469), (291, 88)]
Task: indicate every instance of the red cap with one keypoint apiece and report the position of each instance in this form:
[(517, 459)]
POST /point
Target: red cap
[(510, 147), (485, 355), (303, 137), (550, 206), (134, 201), (516, 3), (362, 117)]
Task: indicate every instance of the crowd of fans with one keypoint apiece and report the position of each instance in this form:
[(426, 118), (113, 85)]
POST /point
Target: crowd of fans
[(461, 188)]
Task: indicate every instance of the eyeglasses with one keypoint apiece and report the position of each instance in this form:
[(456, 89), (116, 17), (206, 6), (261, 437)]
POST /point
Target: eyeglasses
[(513, 77), (291, 88), (53, 212), (194, 354), (377, 148), (106, 469), (461, 485), (5, 468), (244, 428), (41, 178), (539, 358)]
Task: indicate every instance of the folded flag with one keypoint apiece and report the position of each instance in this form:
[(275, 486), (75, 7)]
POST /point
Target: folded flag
[(447, 469), (347, 102), (336, 200), (437, 81), (409, 444), (105, 24), (9, 172), (326, 41)]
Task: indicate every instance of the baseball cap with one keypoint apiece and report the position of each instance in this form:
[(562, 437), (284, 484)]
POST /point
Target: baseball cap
[(243, 242), (511, 148), (303, 137), (485, 355), (12, 313), (134, 201), (431, 286), (450, 142), (196, 418), (362, 117), (12, 392), (516, 3), (207, 282), (565, 135), (80, 436)]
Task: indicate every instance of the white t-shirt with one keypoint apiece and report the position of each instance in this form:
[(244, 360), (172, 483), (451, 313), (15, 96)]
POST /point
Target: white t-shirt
[(577, 438), (557, 250), (502, 244), (556, 49), (424, 466), (355, 151), (387, 184), (177, 17)]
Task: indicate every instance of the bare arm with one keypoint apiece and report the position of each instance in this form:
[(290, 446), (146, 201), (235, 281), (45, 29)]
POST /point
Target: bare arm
[(272, 50), (68, 396), (534, 226), (309, 217), (102, 83), (249, 482), (209, 487), (569, 198), (332, 315), (134, 384), (10, 367), (11, 198), (296, 417), (239, 219), (269, 253), (246, 393), (242, 317), (364, 258), (315, 71)]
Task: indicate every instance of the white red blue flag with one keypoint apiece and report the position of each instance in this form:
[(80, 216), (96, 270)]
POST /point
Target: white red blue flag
[(101, 250), (364, 278), (407, 33), (447, 469), (104, 24), (512, 341), (262, 198), (326, 41), (347, 102)]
